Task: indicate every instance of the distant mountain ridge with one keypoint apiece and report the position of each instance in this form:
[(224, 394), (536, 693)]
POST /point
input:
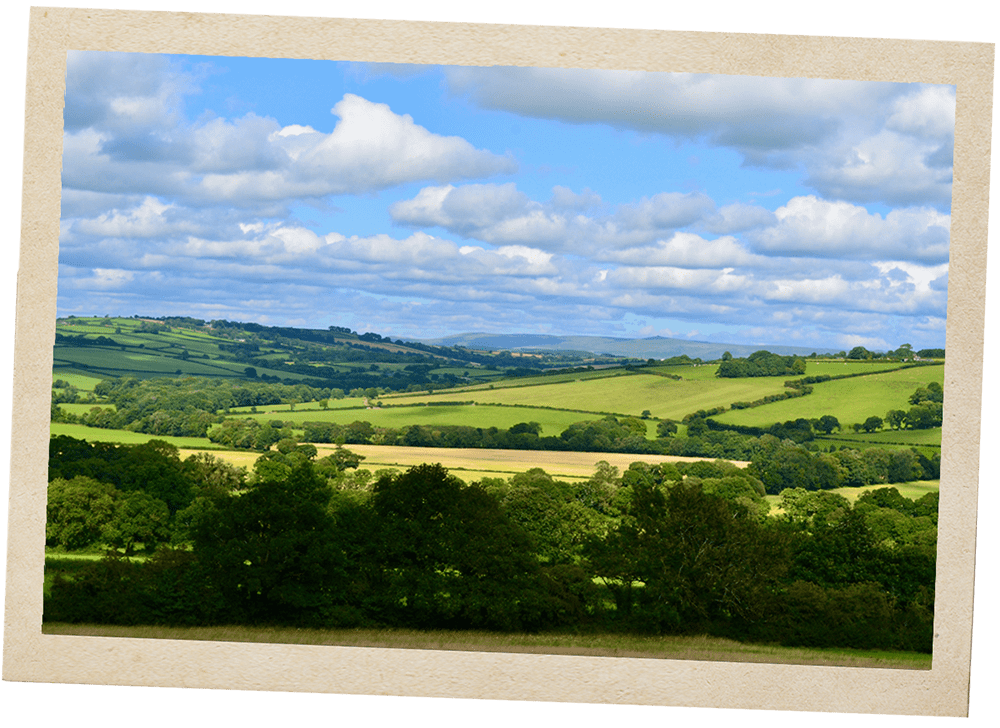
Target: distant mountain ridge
[(656, 347)]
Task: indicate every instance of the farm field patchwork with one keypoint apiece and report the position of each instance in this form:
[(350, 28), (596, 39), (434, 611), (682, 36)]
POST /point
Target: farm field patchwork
[(849, 400), (628, 394)]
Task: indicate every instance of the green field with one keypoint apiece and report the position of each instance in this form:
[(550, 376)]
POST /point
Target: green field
[(346, 403), (841, 367), (628, 394), (83, 382), (97, 434), (82, 408), (553, 422), (849, 400), (913, 490), (146, 354), (859, 440)]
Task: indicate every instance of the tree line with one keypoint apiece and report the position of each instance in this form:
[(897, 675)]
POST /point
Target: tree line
[(780, 461), (760, 364), (664, 549)]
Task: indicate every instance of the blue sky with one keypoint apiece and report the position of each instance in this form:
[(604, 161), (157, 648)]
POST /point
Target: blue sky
[(421, 201)]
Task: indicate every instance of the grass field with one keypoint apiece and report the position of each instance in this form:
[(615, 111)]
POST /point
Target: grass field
[(553, 422), (849, 400), (356, 403), (914, 491), (146, 354), (97, 434), (628, 394), (83, 408), (916, 438), (595, 644), (82, 382)]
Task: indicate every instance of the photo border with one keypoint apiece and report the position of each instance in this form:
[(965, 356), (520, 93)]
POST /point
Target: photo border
[(31, 656)]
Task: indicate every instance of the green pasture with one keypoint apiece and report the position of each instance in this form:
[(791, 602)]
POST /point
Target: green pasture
[(521, 382), (911, 438), (553, 422), (848, 366), (913, 490), (849, 400), (83, 382), (83, 408), (149, 362), (98, 434), (355, 403), (622, 393)]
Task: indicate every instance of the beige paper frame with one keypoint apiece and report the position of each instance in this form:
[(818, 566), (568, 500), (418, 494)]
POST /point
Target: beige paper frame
[(31, 656)]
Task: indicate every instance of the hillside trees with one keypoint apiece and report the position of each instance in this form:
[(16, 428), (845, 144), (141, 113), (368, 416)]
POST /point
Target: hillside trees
[(761, 364)]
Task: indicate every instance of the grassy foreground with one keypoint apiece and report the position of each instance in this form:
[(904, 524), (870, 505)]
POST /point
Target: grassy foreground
[(597, 645)]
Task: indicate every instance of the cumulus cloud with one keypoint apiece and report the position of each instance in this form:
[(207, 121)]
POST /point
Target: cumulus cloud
[(737, 217), (687, 250), (812, 227), (252, 159), (501, 214), (125, 133), (858, 141)]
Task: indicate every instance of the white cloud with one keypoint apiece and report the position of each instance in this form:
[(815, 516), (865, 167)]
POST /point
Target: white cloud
[(811, 227), (501, 214), (930, 112), (252, 160), (146, 220), (784, 123), (110, 278), (563, 198), (687, 250), (737, 217)]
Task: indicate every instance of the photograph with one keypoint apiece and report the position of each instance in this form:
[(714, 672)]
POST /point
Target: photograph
[(550, 359), (384, 361)]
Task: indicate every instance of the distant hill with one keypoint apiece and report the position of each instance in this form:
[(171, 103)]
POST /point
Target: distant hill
[(656, 347)]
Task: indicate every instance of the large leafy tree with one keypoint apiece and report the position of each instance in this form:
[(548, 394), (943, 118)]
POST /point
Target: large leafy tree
[(452, 557), (77, 511), (272, 551), (138, 518), (700, 558)]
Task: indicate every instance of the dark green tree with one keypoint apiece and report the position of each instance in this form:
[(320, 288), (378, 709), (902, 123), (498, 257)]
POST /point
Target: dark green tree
[(272, 552), (77, 511), (138, 518), (452, 557)]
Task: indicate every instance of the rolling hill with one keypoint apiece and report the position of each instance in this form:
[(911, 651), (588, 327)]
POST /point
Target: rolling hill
[(656, 347)]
